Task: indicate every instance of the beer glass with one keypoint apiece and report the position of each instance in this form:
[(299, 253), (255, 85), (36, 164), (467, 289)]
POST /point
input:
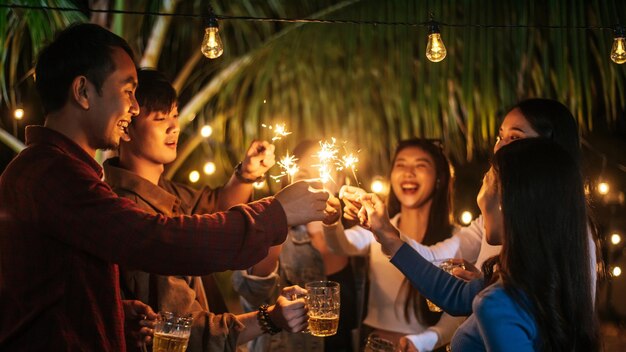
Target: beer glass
[(446, 265), (376, 343), (323, 303), (171, 333)]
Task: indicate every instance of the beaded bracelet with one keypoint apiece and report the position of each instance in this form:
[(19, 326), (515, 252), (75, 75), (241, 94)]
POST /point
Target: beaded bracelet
[(243, 179), (265, 322)]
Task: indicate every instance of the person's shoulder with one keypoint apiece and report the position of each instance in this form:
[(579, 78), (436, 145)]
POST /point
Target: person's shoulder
[(495, 302)]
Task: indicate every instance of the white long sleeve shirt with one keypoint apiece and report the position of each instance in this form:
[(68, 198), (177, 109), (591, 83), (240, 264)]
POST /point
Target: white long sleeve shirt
[(385, 309)]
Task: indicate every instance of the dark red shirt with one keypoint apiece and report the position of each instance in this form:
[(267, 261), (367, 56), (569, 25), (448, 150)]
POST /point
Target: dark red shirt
[(63, 230)]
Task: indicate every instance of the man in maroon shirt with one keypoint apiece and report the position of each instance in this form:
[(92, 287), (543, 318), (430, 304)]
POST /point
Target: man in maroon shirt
[(63, 231)]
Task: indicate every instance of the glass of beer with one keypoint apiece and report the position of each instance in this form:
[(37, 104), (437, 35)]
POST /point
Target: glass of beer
[(375, 343), (171, 333), (323, 303), (446, 265)]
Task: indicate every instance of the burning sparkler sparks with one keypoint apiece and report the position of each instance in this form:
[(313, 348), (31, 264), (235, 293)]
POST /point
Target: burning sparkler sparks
[(349, 161), (279, 131), (288, 167)]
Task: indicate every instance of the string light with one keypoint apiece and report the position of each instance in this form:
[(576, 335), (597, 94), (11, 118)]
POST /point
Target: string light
[(466, 217), (259, 184), (435, 49), (209, 168), (617, 271), (18, 113), (378, 185), (206, 131), (194, 176), (616, 238), (212, 46), (603, 188), (618, 50)]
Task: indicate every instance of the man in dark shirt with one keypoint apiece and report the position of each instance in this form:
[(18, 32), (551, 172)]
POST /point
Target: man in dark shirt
[(63, 230)]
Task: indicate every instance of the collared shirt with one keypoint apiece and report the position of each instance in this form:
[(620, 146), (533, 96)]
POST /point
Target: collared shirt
[(182, 294), (62, 229)]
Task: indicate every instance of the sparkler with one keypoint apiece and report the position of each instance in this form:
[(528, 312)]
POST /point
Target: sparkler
[(279, 131), (349, 161), (288, 166), (328, 157)]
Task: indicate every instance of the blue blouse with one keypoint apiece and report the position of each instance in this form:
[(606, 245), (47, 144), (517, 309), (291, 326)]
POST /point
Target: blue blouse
[(498, 323)]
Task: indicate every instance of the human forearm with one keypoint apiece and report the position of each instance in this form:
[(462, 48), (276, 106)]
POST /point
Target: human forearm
[(234, 192), (453, 295)]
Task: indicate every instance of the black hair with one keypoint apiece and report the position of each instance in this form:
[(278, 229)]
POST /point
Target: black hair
[(554, 121), (154, 91), (82, 49), (544, 263), (440, 222)]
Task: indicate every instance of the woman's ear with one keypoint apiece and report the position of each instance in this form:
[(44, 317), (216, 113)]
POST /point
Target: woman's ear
[(80, 91)]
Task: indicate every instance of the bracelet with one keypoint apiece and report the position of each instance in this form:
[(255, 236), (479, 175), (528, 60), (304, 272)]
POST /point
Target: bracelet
[(265, 322), (243, 179)]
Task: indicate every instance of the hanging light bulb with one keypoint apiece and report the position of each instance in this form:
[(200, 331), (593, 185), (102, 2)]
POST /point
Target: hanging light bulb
[(194, 176), (212, 43), (209, 168), (206, 131), (435, 50), (18, 113), (618, 50)]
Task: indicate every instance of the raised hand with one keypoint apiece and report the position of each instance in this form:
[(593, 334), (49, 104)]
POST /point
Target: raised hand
[(351, 197), (259, 158), (333, 210), (373, 216), (290, 314), (303, 201)]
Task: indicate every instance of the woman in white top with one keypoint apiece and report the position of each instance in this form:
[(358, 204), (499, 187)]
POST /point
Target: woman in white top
[(421, 201), (530, 118)]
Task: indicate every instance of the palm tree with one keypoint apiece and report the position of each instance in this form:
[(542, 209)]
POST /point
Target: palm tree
[(368, 84)]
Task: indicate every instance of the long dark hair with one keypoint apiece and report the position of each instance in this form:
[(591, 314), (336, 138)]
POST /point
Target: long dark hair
[(552, 120), (440, 221), (544, 263)]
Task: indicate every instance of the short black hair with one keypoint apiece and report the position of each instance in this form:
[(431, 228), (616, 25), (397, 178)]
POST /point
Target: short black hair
[(82, 49), (154, 91)]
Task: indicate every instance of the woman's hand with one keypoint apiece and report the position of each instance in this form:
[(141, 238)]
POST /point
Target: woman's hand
[(351, 197), (467, 272), (373, 216)]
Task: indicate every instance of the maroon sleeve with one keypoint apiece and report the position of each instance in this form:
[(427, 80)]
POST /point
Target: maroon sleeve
[(84, 212)]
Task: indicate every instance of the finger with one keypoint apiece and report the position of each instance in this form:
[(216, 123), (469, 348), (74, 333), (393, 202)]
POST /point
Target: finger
[(463, 274), (293, 290)]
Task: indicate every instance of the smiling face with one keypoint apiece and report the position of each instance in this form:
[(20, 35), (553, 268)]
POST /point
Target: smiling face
[(514, 126), (488, 200), (154, 136), (111, 109), (413, 177)]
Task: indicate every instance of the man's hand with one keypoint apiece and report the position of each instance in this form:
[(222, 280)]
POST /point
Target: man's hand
[(351, 197), (302, 202), (139, 322), (290, 314), (259, 158)]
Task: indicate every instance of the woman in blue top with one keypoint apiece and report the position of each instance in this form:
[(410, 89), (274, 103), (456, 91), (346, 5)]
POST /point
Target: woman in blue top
[(538, 298)]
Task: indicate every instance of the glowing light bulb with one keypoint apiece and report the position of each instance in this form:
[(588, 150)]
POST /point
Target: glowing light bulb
[(603, 188), (194, 176), (617, 271), (435, 49), (18, 113), (618, 50), (209, 168), (378, 185), (206, 131), (259, 185), (466, 217), (212, 43), (616, 238)]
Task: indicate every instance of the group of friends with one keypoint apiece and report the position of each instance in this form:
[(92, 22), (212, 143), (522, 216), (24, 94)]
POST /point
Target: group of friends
[(89, 253)]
